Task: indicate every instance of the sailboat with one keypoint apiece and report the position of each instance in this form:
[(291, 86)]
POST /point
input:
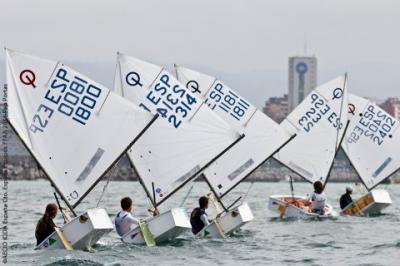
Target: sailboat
[(371, 145), (186, 140), (76, 130), (320, 122), (263, 138)]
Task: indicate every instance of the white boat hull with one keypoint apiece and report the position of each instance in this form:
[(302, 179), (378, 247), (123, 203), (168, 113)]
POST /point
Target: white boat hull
[(228, 222), (279, 204), (82, 232), (370, 204), (164, 227)]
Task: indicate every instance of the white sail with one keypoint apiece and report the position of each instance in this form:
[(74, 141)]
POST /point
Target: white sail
[(372, 141), (170, 154), (262, 138), (74, 127), (319, 122)]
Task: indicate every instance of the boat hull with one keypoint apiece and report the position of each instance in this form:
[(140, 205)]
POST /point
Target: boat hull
[(82, 232), (228, 222), (164, 227), (279, 204), (370, 204)]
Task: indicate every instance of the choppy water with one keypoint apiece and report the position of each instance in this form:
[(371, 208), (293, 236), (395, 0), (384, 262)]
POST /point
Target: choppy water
[(265, 241)]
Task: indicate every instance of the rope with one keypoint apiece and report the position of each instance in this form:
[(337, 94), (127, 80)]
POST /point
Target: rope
[(106, 185)]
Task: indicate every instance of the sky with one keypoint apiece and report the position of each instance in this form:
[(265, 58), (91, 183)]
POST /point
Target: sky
[(245, 43)]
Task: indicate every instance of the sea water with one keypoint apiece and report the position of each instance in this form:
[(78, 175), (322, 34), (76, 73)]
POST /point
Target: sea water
[(264, 241)]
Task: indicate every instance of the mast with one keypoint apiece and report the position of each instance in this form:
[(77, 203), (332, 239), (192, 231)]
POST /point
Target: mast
[(336, 152)]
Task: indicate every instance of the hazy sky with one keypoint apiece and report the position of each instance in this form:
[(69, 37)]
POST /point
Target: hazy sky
[(245, 43)]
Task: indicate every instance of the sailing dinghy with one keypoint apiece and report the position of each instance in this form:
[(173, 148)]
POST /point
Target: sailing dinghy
[(263, 138), (75, 129), (187, 138), (371, 144), (320, 122)]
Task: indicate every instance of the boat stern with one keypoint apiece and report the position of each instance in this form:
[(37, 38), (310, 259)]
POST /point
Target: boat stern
[(381, 196), (82, 232), (228, 222), (371, 203), (164, 227)]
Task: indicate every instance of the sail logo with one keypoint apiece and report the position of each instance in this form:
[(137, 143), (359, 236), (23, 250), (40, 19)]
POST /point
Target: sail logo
[(133, 79), (352, 109), (28, 77), (319, 108), (167, 97), (193, 86), (70, 95), (373, 124)]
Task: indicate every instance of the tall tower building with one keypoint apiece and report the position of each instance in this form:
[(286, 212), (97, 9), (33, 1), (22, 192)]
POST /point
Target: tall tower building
[(302, 78)]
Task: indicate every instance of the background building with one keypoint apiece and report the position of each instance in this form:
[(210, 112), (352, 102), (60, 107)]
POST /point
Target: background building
[(302, 78), (392, 106), (277, 108)]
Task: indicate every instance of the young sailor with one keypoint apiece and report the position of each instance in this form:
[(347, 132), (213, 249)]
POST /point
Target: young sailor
[(124, 220), (45, 225), (318, 198), (346, 199), (198, 217)]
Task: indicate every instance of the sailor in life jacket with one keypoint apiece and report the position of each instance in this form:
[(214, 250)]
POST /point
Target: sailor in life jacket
[(318, 198), (346, 199), (198, 217), (124, 221), (45, 226)]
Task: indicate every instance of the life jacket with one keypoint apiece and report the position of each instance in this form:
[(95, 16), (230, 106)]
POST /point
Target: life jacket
[(318, 201), (44, 228), (195, 221)]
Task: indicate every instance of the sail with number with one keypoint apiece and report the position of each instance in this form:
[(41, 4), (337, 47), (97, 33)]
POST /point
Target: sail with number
[(263, 136), (372, 141), (74, 127), (186, 139), (319, 121)]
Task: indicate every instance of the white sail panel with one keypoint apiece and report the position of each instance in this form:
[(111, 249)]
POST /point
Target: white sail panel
[(74, 127), (319, 122), (372, 141), (262, 135), (169, 156)]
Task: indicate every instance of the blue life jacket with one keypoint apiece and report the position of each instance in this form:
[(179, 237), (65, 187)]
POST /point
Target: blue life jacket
[(195, 221)]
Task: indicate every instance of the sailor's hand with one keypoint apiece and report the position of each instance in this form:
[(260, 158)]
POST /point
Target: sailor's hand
[(156, 212)]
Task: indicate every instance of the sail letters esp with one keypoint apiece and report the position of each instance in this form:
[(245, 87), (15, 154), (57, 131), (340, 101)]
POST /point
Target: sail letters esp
[(374, 125), (69, 94), (319, 109)]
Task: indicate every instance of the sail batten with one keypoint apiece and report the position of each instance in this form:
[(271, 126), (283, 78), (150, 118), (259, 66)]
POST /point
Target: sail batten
[(72, 141), (263, 137)]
